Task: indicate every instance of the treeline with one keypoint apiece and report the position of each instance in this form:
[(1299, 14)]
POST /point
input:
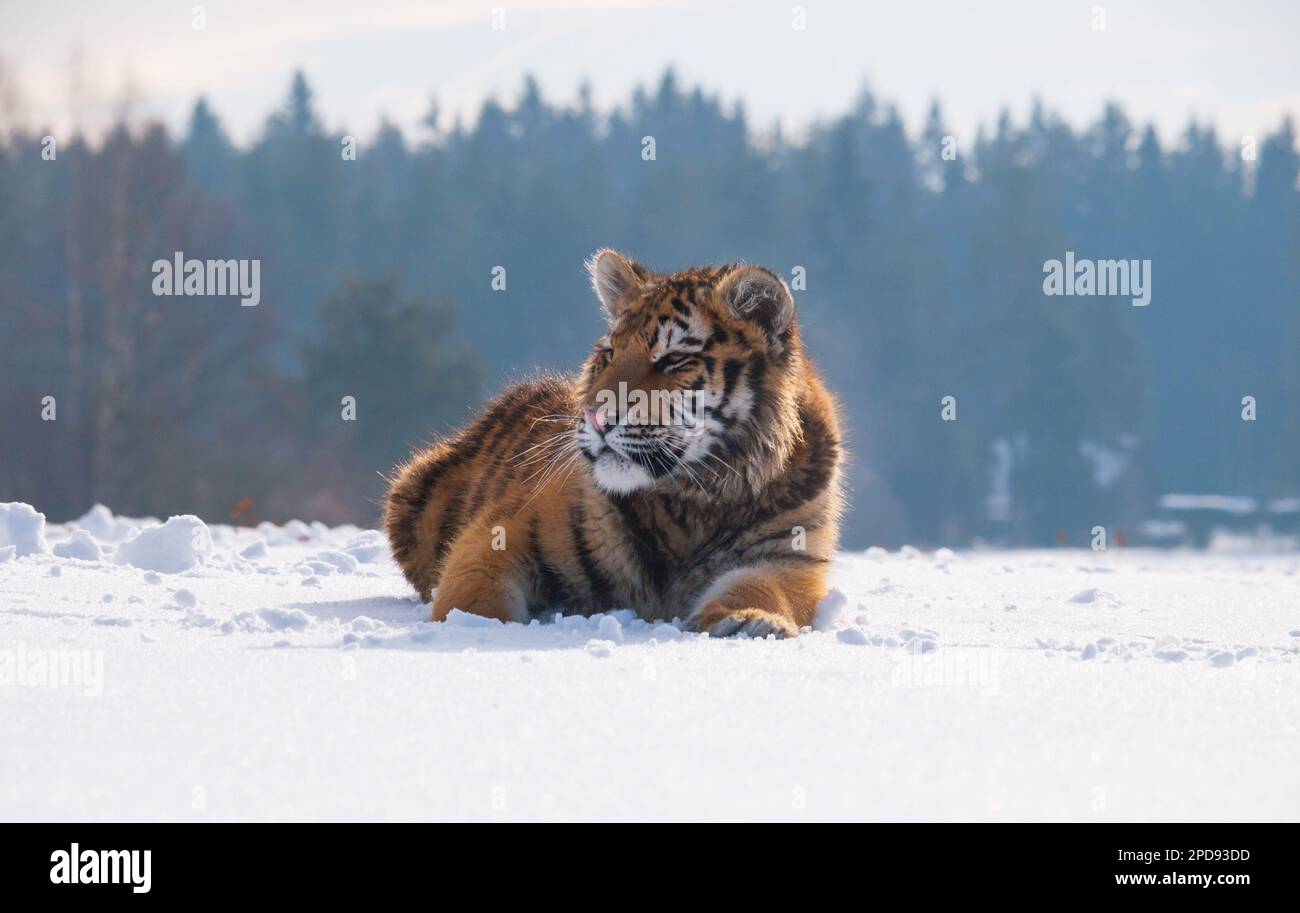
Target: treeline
[(922, 260)]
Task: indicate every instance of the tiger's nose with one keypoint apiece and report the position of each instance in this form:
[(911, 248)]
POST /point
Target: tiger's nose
[(598, 419)]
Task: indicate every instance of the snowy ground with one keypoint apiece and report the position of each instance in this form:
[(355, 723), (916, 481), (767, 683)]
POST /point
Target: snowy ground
[(213, 673)]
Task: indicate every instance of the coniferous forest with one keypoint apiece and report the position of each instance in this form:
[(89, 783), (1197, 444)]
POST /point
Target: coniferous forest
[(917, 263)]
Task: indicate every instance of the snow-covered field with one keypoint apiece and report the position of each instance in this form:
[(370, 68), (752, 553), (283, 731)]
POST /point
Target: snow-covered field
[(187, 672)]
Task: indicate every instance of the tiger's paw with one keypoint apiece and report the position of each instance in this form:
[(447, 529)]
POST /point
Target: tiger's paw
[(472, 595), (757, 623)]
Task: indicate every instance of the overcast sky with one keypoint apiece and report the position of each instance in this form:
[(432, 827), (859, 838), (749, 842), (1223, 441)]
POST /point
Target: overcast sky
[(1233, 63)]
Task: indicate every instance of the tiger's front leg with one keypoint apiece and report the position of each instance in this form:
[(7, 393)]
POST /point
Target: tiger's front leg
[(761, 600), (482, 580)]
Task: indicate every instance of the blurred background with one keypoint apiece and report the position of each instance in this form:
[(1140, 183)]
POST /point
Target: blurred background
[(800, 136)]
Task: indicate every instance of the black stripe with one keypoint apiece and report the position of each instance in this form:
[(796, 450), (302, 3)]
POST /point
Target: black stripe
[(449, 525), (402, 537), (644, 543), (463, 449), (813, 473), (796, 557), (419, 500), (491, 426), (730, 374), (598, 585), (779, 534), (553, 590), (481, 489), (504, 480), (756, 373)]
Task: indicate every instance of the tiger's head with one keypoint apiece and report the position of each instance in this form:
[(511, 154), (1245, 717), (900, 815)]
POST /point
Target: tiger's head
[(696, 383)]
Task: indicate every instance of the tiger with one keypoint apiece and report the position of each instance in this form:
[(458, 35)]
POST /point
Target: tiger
[(690, 471)]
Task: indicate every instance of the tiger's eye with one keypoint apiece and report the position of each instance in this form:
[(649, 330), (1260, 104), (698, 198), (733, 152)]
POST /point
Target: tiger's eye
[(672, 361)]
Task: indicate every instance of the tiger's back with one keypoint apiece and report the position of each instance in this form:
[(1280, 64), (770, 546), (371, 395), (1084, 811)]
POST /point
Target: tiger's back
[(435, 494)]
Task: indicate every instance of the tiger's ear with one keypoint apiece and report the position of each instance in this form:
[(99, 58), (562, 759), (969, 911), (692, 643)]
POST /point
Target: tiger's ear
[(760, 295), (615, 279)]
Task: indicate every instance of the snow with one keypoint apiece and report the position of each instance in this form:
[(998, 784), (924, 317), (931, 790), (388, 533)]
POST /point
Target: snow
[(855, 636), (100, 523), (79, 545), (22, 529), (186, 673), (1226, 503), (177, 545), (285, 619)]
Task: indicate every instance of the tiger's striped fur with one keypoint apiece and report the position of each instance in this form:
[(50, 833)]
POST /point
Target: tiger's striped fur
[(552, 501)]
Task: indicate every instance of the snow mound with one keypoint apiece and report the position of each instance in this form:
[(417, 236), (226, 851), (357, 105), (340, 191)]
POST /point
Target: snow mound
[(368, 547), (608, 628), (1093, 595), (24, 528), (829, 610), (280, 619), (292, 533), (100, 523), (181, 543), (854, 636), (339, 561), (80, 545), (458, 619)]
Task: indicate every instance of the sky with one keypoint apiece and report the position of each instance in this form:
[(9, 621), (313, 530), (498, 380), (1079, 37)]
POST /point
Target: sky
[(80, 61)]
